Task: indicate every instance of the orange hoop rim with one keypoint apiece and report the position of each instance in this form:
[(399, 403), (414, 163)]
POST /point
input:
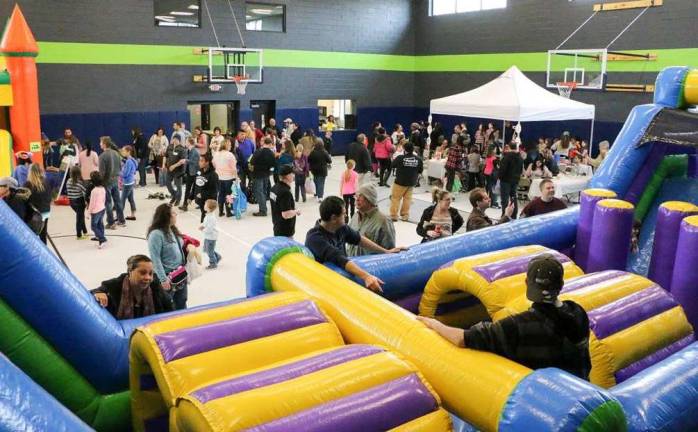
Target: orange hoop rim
[(570, 84), (239, 78)]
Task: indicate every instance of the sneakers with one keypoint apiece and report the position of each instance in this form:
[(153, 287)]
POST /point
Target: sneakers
[(121, 224), (394, 219), (101, 244), (131, 218), (211, 267), (110, 227), (259, 214), (405, 219), (94, 239)]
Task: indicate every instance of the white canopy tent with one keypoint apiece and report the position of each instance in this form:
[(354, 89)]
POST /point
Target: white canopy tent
[(513, 96)]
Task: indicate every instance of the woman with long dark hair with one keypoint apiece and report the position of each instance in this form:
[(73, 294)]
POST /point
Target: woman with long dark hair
[(88, 161), (165, 245)]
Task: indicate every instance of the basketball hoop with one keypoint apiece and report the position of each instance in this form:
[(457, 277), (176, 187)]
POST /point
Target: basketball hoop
[(241, 83), (565, 88)]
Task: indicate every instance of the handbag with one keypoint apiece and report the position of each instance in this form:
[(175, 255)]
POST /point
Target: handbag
[(178, 277)]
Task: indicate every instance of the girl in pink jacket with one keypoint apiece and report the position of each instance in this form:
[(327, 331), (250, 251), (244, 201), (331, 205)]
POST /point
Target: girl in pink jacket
[(382, 149), (347, 187)]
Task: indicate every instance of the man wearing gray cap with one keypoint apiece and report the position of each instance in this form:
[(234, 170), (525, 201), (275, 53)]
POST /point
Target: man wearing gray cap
[(15, 197), (370, 222), (552, 333)]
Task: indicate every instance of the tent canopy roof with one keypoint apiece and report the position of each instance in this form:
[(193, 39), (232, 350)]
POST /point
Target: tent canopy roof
[(512, 96)]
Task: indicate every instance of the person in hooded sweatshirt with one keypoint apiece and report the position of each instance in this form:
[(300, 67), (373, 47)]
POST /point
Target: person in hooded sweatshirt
[(552, 333), (205, 183)]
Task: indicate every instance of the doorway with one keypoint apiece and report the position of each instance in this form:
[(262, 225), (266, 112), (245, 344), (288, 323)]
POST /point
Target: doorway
[(209, 115), (262, 111)]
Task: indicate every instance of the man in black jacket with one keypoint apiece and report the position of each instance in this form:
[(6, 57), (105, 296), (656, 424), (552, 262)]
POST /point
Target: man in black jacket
[(358, 152), (510, 169), (552, 333), (262, 164), (205, 184), (407, 168)]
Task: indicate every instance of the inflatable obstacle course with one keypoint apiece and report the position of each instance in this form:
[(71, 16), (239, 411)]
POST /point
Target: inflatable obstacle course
[(273, 363)]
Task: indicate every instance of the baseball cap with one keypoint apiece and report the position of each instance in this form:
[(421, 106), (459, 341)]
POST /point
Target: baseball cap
[(544, 278), (288, 120), (9, 182), (285, 170)]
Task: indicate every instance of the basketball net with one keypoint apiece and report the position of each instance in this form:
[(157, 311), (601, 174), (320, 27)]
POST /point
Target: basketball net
[(240, 83), (565, 88)]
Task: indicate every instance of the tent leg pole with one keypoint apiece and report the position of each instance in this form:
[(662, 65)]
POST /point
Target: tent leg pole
[(591, 137), (504, 128)]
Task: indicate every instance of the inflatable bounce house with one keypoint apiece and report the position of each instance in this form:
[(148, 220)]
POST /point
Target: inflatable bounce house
[(311, 350), (19, 90)]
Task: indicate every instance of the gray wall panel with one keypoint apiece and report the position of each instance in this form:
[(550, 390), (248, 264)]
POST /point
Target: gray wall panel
[(540, 25), (97, 89), (332, 25)]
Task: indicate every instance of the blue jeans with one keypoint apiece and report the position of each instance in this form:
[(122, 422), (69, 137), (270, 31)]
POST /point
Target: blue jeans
[(179, 297), (300, 186), (508, 192), (127, 194), (210, 249), (97, 225), (261, 187), (176, 190), (319, 186), (113, 200), (224, 189), (141, 170)]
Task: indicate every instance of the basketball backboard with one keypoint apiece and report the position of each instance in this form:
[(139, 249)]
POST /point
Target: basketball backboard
[(224, 64), (585, 67)]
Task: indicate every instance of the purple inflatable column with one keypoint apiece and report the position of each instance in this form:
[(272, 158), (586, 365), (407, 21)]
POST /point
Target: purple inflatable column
[(609, 245), (666, 235), (587, 203), (684, 281)]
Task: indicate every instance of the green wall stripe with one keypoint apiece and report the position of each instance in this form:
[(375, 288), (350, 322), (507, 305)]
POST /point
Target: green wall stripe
[(172, 55)]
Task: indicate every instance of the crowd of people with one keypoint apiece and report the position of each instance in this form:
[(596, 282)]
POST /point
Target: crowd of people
[(220, 173)]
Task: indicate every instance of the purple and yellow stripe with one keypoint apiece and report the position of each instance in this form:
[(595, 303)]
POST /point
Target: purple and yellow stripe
[(511, 266), (285, 372), (186, 342), (382, 407)]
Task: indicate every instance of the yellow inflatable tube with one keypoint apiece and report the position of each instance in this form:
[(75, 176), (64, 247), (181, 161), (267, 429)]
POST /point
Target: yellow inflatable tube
[(183, 352), (263, 405), (486, 277), (365, 318)]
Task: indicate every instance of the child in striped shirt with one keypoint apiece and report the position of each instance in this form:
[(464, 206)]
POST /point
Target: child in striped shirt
[(76, 195)]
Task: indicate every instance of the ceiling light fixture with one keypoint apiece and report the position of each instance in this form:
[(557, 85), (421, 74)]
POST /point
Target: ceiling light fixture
[(193, 7), (262, 11), (181, 13)]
